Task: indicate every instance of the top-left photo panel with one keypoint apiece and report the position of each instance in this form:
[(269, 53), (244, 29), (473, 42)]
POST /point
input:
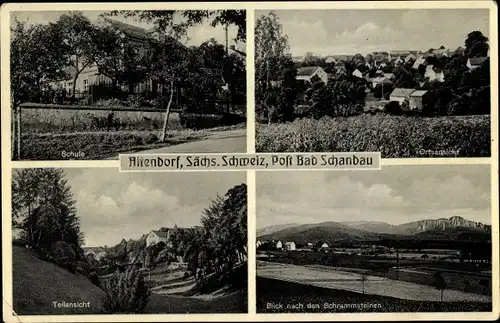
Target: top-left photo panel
[(90, 85)]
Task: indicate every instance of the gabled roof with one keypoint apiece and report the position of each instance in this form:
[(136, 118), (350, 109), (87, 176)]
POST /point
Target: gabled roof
[(306, 71), (161, 234), (477, 60), (419, 93), (401, 92), (127, 29), (389, 75)]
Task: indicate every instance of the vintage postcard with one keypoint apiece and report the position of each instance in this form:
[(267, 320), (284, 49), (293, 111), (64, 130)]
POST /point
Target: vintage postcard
[(250, 161)]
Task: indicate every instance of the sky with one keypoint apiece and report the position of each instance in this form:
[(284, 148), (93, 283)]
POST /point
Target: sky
[(196, 35), (394, 194), (113, 205), (351, 31)]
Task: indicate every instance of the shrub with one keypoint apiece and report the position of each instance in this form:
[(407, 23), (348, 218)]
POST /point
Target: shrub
[(393, 136), (126, 292), (393, 108), (63, 254), (151, 139)]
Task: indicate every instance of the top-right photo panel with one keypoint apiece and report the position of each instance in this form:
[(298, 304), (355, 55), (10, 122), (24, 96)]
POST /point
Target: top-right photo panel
[(406, 83)]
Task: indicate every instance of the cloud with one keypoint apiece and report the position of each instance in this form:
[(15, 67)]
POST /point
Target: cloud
[(423, 193), (112, 205)]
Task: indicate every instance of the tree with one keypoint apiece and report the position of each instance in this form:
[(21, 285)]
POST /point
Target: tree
[(271, 48), (364, 278), (439, 283), (176, 22), (44, 210), (167, 64), (77, 37), (476, 45), (117, 58), (36, 56)]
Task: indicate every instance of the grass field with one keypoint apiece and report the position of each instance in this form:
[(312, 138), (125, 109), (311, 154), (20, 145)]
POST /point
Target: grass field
[(393, 136), (37, 283), (300, 298), (105, 144), (464, 277)]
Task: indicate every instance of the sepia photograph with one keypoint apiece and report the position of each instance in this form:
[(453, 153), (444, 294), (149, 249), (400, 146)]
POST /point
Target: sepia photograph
[(97, 241), (406, 83), (402, 239), (92, 84)]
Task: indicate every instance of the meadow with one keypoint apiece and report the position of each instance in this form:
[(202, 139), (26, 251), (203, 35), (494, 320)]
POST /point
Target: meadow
[(323, 300), (393, 136), (48, 134)]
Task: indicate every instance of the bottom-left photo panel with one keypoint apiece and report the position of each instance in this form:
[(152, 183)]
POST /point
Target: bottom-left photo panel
[(100, 241)]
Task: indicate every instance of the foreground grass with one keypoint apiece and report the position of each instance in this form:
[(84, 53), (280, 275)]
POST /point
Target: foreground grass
[(393, 136), (37, 283), (101, 145), (270, 291)]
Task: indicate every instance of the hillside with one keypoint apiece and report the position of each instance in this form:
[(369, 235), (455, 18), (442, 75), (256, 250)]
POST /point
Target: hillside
[(442, 224), (37, 283), (326, 231), (372, 226), (454, 228), (274, 228)]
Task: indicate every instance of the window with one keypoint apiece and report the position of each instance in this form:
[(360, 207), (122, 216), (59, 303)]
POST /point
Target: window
[(86, 85)]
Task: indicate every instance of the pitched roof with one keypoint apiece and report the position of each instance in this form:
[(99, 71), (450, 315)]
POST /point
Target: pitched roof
[(306, 71), (389, 75), (400, 92), (477, 60), (161, 234), (127, 29), (419, 93)]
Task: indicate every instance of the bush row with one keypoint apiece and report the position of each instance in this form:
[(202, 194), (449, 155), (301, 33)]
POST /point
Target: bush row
[(393, 136)]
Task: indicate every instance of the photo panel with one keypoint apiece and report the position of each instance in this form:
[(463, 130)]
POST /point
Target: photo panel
[(88, 85), (97, 241), (409, 83), (402, 239)]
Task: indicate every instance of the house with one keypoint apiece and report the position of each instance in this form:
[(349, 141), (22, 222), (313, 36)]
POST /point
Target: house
[(325, 246), (101, 255), (307, 73), (381, 80), (357, 73), (309, 245), (416, 100), (382, 65), (400, 95), (279, 245), (398, 61), (390, 76), (379, 73), (421, 60), (330, 60), (258, 244), (434, 74), (475, 62), (155, 237), (133, 35), (290, 246), (297, 59), (410, 57)]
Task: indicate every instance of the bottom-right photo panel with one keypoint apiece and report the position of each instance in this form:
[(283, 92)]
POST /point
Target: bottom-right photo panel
[(399, 239)]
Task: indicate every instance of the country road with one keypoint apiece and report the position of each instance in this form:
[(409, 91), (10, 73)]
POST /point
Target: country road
[(231, 141), (341, 280)]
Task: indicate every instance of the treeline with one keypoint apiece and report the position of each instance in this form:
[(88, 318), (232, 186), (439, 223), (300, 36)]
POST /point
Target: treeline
[(44, 215), (62, 50)]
